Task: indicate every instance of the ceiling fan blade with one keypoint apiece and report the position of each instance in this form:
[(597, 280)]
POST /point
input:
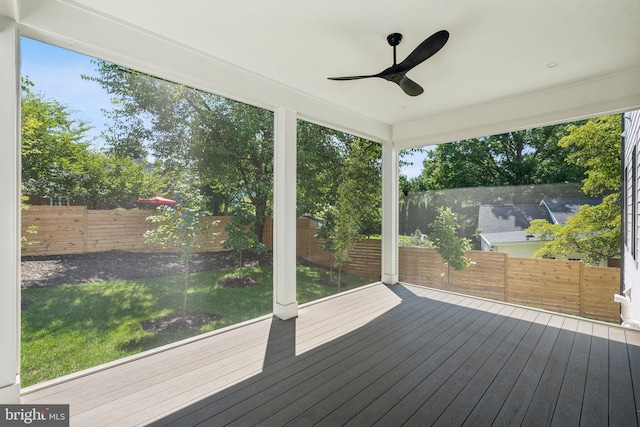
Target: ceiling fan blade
[(351, 77), (424, 51), (410, 87)]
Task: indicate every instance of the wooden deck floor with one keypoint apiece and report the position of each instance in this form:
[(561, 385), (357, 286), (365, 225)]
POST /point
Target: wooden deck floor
[(382, 355)]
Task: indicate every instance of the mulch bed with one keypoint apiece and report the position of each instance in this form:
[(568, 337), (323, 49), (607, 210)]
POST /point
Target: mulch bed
[(58, 270), (175, 322), (330, 283), (238, 282)]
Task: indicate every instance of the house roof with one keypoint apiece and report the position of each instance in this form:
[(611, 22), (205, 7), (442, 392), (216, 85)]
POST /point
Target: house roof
[(561, 209), (506, 66), (506, 224)]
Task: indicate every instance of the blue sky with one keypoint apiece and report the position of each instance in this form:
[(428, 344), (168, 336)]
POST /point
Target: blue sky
[(56, 73)]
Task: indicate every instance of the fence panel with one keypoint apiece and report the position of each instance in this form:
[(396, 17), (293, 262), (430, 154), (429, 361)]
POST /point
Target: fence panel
[(74, 229), (561, 285), (485, 277), (524, 281), (598, 288), (58, 230), (421, 266)]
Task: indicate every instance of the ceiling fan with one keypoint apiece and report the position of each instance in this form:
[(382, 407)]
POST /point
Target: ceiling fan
[(397, 72)]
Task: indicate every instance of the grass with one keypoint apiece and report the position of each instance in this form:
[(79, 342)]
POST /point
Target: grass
[(73, 327)]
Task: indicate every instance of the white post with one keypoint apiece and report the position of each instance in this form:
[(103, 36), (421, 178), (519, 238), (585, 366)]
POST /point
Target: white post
[(10, 212), (389, 214), (285, 305)]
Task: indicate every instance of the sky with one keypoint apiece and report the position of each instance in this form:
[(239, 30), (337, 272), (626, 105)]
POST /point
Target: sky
[(56, 74)]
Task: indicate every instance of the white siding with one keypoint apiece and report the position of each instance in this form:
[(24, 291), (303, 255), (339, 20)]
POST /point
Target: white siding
[(632, 225)]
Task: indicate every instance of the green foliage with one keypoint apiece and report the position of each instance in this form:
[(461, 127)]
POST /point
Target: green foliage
[(227, 143), (321, 152), (594, 231), (597, 148), (185, 229), (31, 229), (241, 237), (417, 239), (58, 162), (357, 209), (53, 149), (530, 156), (112, 182), (444, 235)]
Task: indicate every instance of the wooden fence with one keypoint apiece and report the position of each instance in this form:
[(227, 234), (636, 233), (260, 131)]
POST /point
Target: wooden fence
[(75, 229), (558, 285), (564, 286)]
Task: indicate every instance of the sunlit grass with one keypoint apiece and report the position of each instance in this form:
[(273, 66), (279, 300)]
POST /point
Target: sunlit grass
[(73, 327)]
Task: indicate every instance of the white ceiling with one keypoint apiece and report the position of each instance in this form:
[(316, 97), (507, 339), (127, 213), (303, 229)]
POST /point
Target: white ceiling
[(492, 76)]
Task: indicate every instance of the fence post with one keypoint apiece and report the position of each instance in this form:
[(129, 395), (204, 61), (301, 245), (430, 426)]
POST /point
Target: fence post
[(582, 295), (506, 277), (85, 230)]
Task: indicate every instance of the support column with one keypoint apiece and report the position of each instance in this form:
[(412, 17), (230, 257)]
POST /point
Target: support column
[(10, 212), (389, 214), (285, 305)]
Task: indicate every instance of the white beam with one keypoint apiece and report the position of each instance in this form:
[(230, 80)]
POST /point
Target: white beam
[(9, 214), (285, 305), (389, 214), (611, 94)]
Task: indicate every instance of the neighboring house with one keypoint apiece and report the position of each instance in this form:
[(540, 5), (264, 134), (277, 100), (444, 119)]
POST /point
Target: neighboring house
[(631, 233), (502, 227)]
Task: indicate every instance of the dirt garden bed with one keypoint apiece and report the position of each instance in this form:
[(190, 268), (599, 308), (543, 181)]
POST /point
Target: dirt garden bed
[(120, 265)]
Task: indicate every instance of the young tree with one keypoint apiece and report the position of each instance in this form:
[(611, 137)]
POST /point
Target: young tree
[(240, 236), (325, 231), (357, 211), (595, 230), (444, 235), (184, 228)]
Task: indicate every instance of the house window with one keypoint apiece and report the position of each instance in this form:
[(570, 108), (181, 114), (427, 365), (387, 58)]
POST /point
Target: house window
[(60, 201)]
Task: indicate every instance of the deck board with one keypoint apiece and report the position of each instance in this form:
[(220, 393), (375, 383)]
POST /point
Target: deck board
[(622, 407), (594, 408), (543, 401), (527, 382), (381, 355)]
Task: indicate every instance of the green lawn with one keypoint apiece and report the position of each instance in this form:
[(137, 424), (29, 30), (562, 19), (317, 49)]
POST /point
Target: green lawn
[(73, 327)]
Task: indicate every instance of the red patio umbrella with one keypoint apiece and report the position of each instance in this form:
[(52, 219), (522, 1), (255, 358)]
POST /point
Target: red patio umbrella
[(157, 200)]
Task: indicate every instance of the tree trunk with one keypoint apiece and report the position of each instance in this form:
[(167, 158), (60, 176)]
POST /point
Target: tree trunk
[(186, 291), (261, 211)]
